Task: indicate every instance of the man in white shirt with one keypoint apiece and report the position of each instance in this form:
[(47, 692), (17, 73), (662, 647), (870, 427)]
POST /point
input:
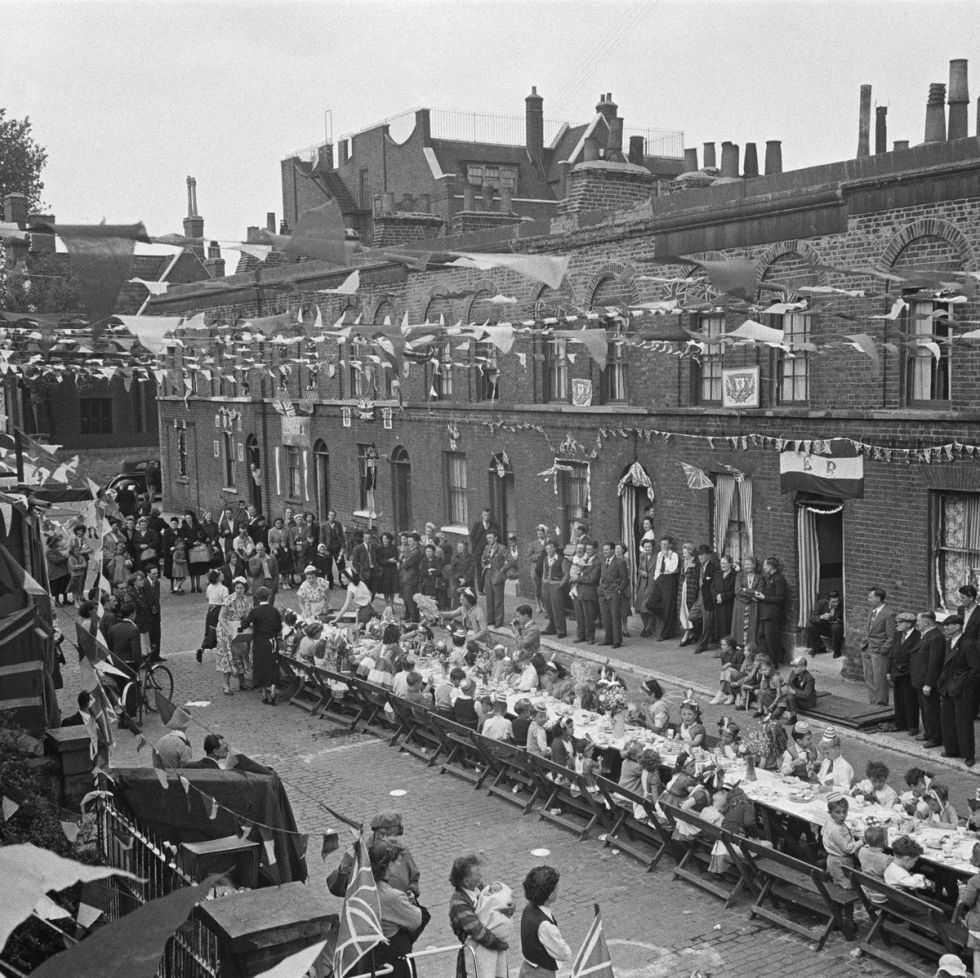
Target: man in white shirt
[(663, 603), (834, 770)]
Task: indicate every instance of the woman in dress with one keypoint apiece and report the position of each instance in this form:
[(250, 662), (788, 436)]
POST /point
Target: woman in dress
[(431, 580), (358, 596), (279, 550), (146, 545), (402, 919), (215, 594), (459, 573), (388, 562), (266, 624), (745, 613), (236, 606), (687, 598), (313, 595)]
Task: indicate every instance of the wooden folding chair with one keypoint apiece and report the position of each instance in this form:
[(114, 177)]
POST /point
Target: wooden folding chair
[(645, 839), (413, 735), (565, 797), (509, 772), (461, 756)]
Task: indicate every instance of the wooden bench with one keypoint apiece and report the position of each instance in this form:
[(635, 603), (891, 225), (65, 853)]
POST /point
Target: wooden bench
[(565, 797), (645, 839), (460, 757), (508, 771), (907, 920), (696, 852), (412, 735), (789, 882), (372, 700), (308, 694)]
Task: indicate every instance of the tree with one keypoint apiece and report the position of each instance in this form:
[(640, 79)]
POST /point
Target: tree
[(21, 160)]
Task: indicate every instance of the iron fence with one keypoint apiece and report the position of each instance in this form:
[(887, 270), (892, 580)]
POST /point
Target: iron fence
[(125, 844)]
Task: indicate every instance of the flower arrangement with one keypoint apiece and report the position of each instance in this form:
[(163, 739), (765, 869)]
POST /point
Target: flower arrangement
[(757, 743), (613, 700), (428, 608)]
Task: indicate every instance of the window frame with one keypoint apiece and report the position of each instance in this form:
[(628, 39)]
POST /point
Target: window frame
[(557, 383), (456, 488), (294, 471), (615, 376), (362, 476), (708, 373), (486, 388), (791, 371), (572, 472), (181, 447), (937, 548), (86, 417), (940, 370), (230, 459)]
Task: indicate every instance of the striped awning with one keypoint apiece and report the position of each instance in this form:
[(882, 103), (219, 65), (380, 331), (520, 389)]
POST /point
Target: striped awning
[(636, 476)]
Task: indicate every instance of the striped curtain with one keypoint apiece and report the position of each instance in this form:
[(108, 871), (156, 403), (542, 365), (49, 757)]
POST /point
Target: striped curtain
[(809, 561), (627, 531), (724, 496), (745, 509)]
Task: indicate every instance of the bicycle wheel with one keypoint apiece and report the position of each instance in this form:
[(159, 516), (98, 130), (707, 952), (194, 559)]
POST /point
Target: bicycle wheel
[(161, 678)]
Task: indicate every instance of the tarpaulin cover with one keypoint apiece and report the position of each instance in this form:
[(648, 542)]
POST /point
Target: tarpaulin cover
[(176, 816)]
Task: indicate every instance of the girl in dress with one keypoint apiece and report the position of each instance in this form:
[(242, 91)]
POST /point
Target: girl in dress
[(654, 716), (732, 670), (215, 594), (279, 550), (729, 739), (691, 731), (78, 555), (229, 660), (179, 566)]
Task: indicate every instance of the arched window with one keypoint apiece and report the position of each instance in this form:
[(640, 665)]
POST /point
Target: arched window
[(401, 489), (613, 292), (485, 353), (321, 483)]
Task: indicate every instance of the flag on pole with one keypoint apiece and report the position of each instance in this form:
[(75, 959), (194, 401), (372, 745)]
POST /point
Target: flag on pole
[(360, 918), (593, 956)]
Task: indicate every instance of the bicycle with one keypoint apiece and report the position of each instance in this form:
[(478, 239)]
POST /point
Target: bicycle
[(140, 695)]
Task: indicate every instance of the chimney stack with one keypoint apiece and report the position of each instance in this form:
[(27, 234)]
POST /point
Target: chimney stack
[(590, 149), (15, 209), (750, 166), (881, 129), (729, 159), (637, 151), (194, 223), (534, 127), (936, 114), (607, 108), (487, 193), (506, 204), (899, 145), (959, 99), (614, 142), (774, 156), (864, 123), (691, 159), (270, 221), (709, 156), (388, 202), (469, 197)]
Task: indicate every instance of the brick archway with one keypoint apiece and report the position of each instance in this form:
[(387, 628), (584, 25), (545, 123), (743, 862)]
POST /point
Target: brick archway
[(482, 285), (624, 274), (799, 249), (931, 227)]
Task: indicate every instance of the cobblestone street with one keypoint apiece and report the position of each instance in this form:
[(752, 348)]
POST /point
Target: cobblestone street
[(656, 926)]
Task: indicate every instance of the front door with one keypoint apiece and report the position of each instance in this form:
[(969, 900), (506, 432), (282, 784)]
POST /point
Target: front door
[(401, 490), (254, 473), (502, 495)]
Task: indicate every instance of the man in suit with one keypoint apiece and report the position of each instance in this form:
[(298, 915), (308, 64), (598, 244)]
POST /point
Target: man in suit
[(495, 561), (926, 665), (215, 751), (332, 535), (904, 645), (876, 647), (969, 611), (555, 570), (646, 567), (263, 572), (478, 541), (957, 708), (724, 598), (614, 582), (826, 621), (78, 718), (409, 567), (663, 603), (364, 560), (772, 610), (707, 578), (226, 529), (585, 595), (124, 638)]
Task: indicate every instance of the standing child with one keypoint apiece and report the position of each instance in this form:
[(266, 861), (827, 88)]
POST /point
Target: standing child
[(179, 567), (78, 555), (968, 907), (840, 846)]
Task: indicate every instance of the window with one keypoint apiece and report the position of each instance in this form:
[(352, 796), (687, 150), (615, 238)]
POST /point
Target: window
[(455, 468), (793, 370), (443, 375), (294, 484), (732, 515), (365, 476), (95, 415), (139, 407), (956, 543), (500, 176), (927, 352), (182, 453), (487, 373), (556, 356), (228, 441), (707, 374), (614, 376), (356, 379), (573, 494), (363, 193)]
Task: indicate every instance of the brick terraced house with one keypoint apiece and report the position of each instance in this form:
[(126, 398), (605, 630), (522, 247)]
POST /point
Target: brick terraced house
[(541, 434)]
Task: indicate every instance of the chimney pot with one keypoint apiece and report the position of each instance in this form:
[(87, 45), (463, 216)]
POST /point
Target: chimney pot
[(614, 141), (864, 123), (750, 166), (270, 221), (959, 99), (590, 151), (637, 151), (423, 125), (729, 159), (935, 131), (691, 158), (709, 155), (487, 195), (607, 108), (774, 156), (900, 144), (881, 129), (388, 202)]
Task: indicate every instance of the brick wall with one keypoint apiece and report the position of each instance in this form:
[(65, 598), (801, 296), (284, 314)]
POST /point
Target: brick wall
[(602, 185)]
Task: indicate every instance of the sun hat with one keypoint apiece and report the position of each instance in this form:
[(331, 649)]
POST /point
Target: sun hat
[(952, 965)]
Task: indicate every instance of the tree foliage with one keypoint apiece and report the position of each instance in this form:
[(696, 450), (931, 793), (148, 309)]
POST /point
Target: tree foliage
[(21, 160)]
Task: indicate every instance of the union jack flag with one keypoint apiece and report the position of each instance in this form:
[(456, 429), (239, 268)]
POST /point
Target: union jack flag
[(360, 919), (593, 956)]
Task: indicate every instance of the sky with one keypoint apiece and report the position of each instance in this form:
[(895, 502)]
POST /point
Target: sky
[(130, 98)]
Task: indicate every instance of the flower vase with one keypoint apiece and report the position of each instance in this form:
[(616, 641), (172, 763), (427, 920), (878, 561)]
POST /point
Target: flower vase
[(619, 724), (750, 767)]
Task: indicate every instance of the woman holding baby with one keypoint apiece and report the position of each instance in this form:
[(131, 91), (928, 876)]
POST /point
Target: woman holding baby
[(480, 917)]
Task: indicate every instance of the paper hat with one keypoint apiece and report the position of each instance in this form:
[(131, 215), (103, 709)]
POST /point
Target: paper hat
[(309, 569), (468, 594), (802, 727), (500, 698), (799, 661), (836, 796), (829, 735), (523, 704), (552, 665), (540, 709), (952, 965), (239, 580)]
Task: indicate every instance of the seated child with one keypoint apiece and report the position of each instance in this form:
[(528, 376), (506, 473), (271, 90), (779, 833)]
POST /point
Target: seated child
[(586, 763), (493, 900), (498, 727), (745, 687), (732, 661), (697, 802), (654, 714), (631, 772), (918, 782), (941, 812), (800, 757), (715, 815), (766, 690), (838, 842), (905, 854), (874, 789), (691, 730), (872, 857), (729, 740)]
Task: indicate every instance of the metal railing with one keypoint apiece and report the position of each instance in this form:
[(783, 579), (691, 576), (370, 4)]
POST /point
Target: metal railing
[(125, 844)]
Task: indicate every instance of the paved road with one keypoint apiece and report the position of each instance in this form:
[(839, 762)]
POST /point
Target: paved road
[(657, 927)]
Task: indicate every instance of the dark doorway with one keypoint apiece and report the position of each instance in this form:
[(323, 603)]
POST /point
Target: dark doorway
[(254, 461), (830, 541), (321, 483), (501, 477), (401, 490)]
